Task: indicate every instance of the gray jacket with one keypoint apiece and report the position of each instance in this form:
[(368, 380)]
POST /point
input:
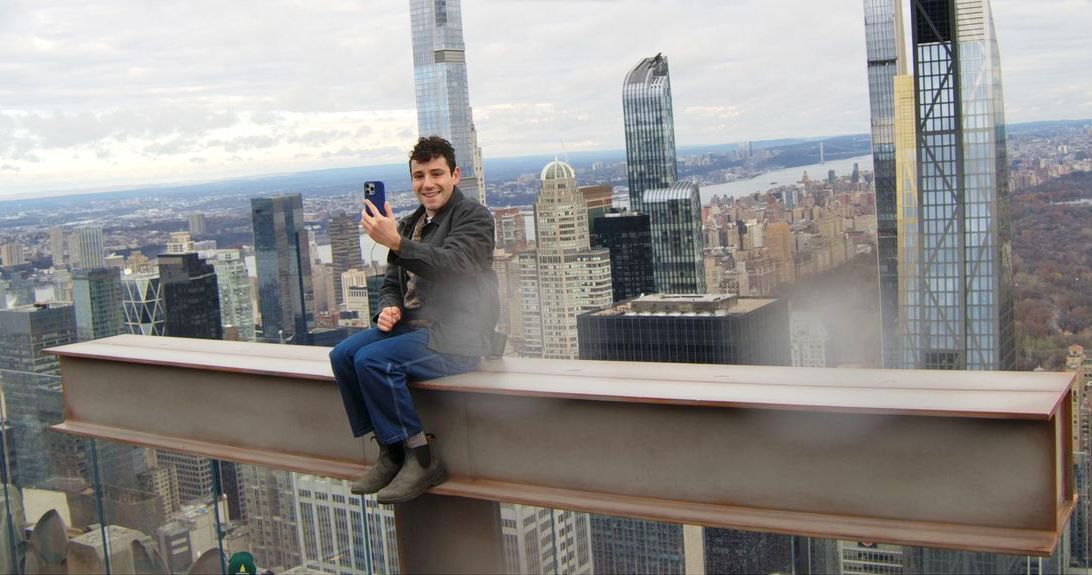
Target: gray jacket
[(454, 265)]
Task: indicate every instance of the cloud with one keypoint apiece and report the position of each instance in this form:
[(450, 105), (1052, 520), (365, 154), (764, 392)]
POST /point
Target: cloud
[(321, 137), (249, 143), (288, 84), (718, 112)]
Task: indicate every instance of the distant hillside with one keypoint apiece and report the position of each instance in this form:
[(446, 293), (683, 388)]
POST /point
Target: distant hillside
[(790, 152)]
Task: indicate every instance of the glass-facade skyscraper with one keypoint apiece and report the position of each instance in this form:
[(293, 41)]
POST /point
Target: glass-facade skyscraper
[(191, 296), (959, 301), (650, 129), (677, 242), (142, 303), (236, 309), (721, 329), (443, 90), (96, 295), (285, 296), (886, 59), (628, 236), (32, 393)]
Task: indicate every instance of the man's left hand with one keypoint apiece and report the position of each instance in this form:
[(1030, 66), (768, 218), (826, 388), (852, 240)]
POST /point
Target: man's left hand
[(381, 228)]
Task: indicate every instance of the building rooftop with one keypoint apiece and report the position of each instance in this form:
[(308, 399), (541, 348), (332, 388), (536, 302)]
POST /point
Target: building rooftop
[(698, 305)]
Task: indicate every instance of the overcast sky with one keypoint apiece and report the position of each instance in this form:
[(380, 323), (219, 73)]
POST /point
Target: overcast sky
[(133, 92)]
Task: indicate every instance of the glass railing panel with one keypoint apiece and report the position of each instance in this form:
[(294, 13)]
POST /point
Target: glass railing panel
[(159, 506), (296, 520), (47, 482)]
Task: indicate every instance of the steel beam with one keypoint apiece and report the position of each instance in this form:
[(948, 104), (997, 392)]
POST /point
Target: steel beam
[(964, 460)]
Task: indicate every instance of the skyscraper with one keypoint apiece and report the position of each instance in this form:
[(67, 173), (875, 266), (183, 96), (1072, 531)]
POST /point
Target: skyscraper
[(341, 532), (677, 242), (572, 277), (194, 474), (58, 246), (628, 237), (959, 313), (345, 249), (85, 247), (269, 503), (233, 281), (96, 295), (650, 129), (685, 328), (32, 391), (886, 59), (628, 545), (12, 254), (285, 296), (197, 224), (191, 297), (538, 540), (142, 303), (443, 90)]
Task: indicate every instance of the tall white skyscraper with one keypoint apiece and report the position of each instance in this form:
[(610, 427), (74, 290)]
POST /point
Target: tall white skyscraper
[(572, 276), (86, 248), (340, 532), (538, 540), (443, 91)]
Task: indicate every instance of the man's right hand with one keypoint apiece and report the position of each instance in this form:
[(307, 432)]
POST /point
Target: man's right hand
[(388, 317)]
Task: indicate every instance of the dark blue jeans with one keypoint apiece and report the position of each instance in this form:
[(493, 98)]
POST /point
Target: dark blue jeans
[(372, 368)]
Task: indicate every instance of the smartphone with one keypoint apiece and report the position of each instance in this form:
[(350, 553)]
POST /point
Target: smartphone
[(377, 194)]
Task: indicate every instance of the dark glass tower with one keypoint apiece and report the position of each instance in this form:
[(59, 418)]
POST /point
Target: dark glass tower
[(650, 129), (681, 328), (31, 386), (191, 297), (959, 310), (677, 241), (285, 296), (886, 59), (628, 236)]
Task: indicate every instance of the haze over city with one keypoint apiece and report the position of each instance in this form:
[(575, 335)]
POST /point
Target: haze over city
[(103, 95)]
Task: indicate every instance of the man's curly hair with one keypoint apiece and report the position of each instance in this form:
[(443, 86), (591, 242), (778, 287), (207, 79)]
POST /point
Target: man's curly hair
[(433, 147)]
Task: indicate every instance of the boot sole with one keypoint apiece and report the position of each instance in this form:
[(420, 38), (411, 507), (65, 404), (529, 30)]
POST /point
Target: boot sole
[(364, 491), (357, 491), (440, 478)]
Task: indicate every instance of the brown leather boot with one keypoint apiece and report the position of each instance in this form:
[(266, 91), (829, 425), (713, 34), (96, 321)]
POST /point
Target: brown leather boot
[(386, 467), (421, 470)]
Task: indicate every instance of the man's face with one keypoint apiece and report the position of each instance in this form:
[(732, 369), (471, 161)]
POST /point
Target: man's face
[(433, 183)]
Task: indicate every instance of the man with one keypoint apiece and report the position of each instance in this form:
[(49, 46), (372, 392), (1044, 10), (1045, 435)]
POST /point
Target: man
[(438, 307)]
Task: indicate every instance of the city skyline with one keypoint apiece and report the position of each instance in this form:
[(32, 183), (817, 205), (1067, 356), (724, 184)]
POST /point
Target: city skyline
[(166, 94)]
